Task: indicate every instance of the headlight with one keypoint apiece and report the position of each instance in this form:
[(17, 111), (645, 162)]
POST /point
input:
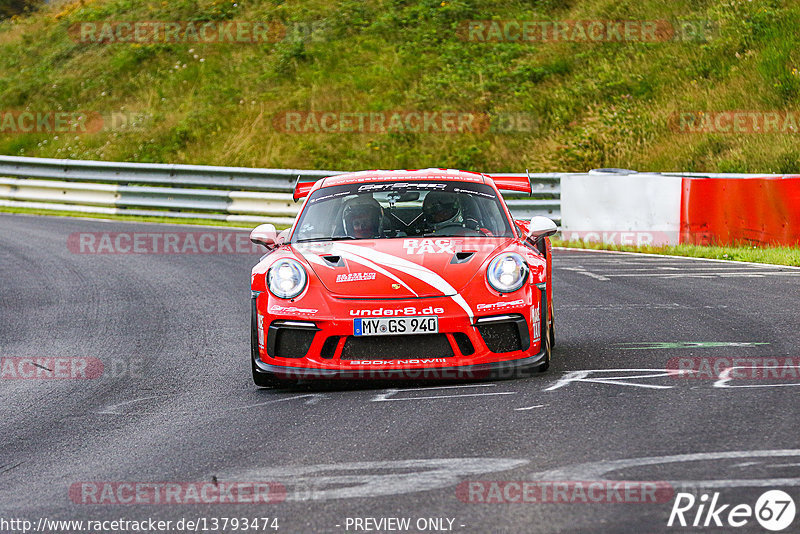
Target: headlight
[(286, 278), (507, 272)]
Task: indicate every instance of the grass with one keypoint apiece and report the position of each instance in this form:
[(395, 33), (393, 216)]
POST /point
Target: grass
[(774, 255), (591, 104)]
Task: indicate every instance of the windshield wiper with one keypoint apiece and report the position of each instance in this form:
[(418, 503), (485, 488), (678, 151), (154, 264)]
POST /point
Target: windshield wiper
[(334, 238), (434, 234)]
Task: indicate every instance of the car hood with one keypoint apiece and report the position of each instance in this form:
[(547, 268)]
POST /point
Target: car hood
[(398, 268)]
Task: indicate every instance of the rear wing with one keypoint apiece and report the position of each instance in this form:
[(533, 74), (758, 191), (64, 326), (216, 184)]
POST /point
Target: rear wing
[(302, 189), (504, 182), (512, 182)]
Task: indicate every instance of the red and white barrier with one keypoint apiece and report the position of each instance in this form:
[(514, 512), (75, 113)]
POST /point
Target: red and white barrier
[(762, 211)]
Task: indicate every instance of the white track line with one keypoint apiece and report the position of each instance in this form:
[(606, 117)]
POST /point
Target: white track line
[(531, 407), (706, 274), (445, 396), (445, 387), (645, 254)]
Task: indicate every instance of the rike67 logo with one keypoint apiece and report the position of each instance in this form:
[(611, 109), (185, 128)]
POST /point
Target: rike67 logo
[(774, 510)]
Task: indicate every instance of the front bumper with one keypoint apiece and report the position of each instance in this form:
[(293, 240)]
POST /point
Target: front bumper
[(502, 369), (504, 342)]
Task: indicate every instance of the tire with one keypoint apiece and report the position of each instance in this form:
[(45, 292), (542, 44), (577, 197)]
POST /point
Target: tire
[(548, 351), (263, 379)]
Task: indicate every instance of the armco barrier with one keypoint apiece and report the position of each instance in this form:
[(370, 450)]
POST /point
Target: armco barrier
[(192, 191), (763, 211)]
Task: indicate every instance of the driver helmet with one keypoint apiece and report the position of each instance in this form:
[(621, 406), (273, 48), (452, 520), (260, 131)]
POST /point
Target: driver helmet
[(441, 209), (362, 218)]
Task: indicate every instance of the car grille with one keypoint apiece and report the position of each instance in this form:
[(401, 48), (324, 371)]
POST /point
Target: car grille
[(464, 344), (396, 347), (329, 347), (288, 342), (506, 335)]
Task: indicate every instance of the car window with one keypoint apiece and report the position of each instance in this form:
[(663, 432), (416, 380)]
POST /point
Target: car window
[(385, 210)]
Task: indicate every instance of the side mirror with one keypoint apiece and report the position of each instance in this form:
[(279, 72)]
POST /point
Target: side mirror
[(283, 236), (541, 227), (266, 235)]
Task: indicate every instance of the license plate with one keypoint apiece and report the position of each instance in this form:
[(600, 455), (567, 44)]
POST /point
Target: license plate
[(394, 326)]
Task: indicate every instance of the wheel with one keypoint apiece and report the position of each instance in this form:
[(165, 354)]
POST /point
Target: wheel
[(545, 365), (548, 351), (263, 379)]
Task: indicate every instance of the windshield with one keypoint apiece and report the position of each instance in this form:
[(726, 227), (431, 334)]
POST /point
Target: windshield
[(384, 210)]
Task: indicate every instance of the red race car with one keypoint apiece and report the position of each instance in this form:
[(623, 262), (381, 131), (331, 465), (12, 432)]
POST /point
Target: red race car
[(418, 274)]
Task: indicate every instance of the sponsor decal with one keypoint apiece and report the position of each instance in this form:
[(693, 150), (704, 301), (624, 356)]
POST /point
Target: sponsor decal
[(499, 305), (432, 246), (328, 197), (397, 362), (536, 321), (475, 193), (389, 370), (388, 312), (356, 277), (261, 337), (277, 308), (404, 185), (394, 175)]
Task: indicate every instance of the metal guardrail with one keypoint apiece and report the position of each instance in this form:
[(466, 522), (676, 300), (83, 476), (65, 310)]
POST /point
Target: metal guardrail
[(193, 191), (195, 176)]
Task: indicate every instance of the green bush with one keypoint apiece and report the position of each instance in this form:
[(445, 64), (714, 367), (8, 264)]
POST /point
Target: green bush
[(9, 8)]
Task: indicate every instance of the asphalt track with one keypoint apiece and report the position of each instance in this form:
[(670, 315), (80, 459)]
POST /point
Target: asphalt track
[(176, 402)]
